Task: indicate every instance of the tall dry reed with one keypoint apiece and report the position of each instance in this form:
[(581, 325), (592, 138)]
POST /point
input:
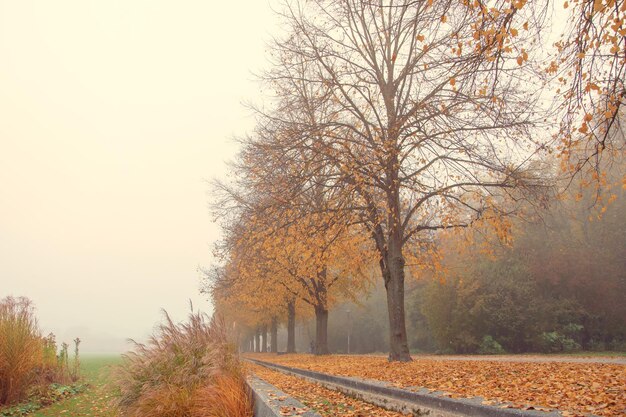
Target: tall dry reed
[(184, 370), (21, 350)]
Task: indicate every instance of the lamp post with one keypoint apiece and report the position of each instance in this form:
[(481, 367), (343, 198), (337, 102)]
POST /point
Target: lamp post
[(349, 329)]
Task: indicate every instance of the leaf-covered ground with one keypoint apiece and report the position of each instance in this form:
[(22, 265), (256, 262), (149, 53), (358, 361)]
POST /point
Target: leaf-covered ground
[(92, 403), (575, 388), (326, 402)]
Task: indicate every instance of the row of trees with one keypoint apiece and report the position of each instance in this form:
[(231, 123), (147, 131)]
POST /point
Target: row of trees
[(389, 122), (556, 285)]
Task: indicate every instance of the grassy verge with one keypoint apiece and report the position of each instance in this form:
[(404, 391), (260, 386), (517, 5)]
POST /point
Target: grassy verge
[(611, 354), (94, 402), (581, 353)]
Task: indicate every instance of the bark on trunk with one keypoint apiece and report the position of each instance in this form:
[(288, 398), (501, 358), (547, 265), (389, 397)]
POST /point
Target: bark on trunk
[(291, 327), (321, 331), (264, 337), (274, 336), (257, 337), (394, 284)]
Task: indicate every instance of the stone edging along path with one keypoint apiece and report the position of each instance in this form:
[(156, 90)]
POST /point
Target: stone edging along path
[(421, 402), (269, 401)]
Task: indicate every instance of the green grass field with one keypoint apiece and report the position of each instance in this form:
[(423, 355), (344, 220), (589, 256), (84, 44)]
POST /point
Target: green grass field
[(95, 401)]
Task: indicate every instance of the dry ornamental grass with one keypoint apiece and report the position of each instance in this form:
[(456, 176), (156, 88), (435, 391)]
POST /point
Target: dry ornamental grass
[(184, 370)]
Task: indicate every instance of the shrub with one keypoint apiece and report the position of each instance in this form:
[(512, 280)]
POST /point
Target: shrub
[(490, 346), (553, 342), (184, 370), (28, 362), (596, 345), (570, 345), (549, 342), (617, 345)]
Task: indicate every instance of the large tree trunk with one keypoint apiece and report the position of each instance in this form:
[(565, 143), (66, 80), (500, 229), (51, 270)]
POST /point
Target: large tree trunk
[(264, 337), (393, 273), (274, 336), (291, 327), (321, 331)]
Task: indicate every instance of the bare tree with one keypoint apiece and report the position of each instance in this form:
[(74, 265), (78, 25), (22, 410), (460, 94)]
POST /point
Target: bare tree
[(421, 128)]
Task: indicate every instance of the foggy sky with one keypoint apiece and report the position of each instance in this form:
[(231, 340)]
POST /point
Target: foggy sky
[(113, 114)]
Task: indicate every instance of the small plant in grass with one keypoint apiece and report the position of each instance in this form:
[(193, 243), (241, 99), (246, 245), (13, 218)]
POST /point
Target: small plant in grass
[(75, 371), (63, 359), (184, 370)]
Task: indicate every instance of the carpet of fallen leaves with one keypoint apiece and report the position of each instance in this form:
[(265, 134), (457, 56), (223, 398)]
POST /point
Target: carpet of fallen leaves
[(574, 388), (327, 403)]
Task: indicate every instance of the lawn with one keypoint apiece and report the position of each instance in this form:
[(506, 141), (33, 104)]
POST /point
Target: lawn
[(95, 401)]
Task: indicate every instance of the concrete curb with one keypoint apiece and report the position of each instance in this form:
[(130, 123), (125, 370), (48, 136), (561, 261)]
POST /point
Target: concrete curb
[(269, 401), (419, 402)]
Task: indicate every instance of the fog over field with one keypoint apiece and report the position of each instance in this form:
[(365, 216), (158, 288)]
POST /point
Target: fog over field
[(114, 115)]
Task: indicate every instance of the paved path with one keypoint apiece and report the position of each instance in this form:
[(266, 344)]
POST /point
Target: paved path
[(616, 360)]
